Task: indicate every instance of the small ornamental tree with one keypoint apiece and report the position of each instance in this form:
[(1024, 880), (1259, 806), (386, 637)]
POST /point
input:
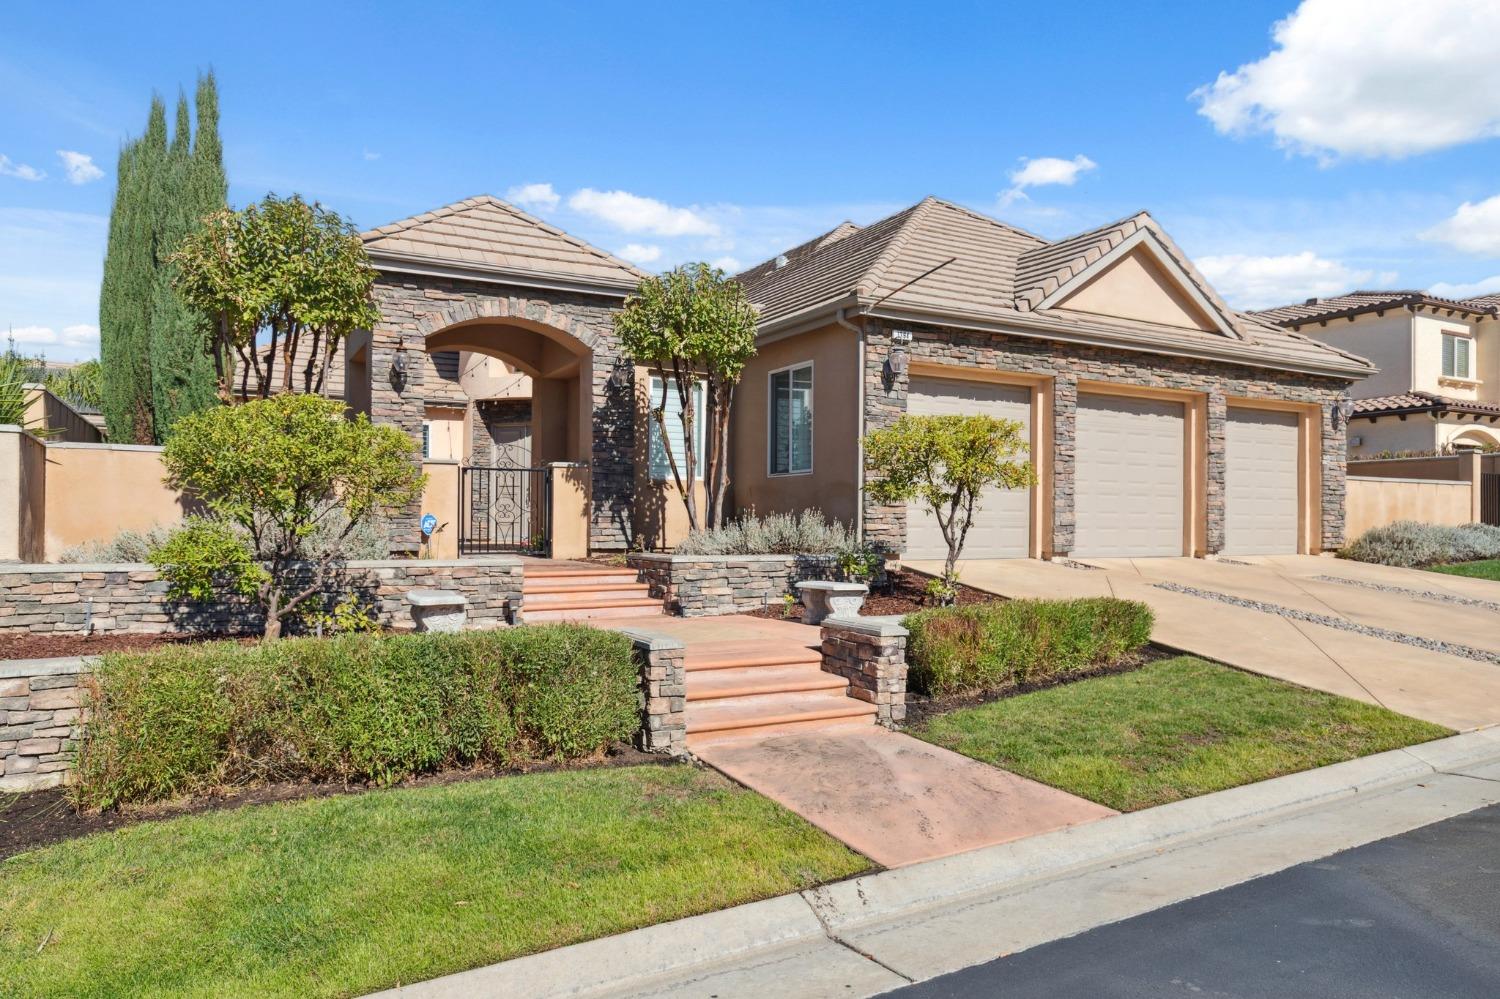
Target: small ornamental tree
[(945, 463), (281, 280), (691, 324), (288, 479)]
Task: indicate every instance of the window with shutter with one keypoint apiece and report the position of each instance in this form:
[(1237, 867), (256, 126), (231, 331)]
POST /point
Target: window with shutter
[(1456, 356), (661, 467), (792, 420)]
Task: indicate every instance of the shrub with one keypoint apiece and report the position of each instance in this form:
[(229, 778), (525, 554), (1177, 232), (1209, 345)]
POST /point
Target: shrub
[(190, 719), (127, 546), (1411, 545), (807, 532), (368, 539), (991, 647)]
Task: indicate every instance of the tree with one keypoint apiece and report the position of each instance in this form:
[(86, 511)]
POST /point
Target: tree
[(155, 370), (946, 463), (289, 479), (688, 324), (127, 288), (281, 279), (182, 375)]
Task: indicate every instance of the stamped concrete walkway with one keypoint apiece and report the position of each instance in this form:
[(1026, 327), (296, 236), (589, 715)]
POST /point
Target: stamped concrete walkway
[(1450, 690), (895, 799)]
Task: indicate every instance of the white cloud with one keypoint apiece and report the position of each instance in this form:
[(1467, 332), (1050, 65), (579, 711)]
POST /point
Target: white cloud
[(1473, 228), (1484, 286), (20, 171), (539, 196), (729, 265), (32, 335), (633, 213), (1262, 282), (79, 167), (82, 335), (1366, 78), (371, 156), (640, 253), (1043, 171)]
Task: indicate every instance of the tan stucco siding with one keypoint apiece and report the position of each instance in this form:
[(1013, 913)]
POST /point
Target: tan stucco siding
[(658, 516), (1136, 287), (1418, 432), (95, 491), (1386, 341), (1373, 502), (832, 485)]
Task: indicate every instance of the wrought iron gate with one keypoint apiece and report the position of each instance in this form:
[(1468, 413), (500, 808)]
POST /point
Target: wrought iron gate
[(504, 510), (1489, 498)]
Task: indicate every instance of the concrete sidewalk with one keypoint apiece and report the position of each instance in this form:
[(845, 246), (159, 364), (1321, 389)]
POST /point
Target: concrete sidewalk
[(878, 932), (1460, 693)]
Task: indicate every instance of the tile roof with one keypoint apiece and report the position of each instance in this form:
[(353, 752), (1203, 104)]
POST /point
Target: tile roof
[(1420, 402), (1358, 302), (485, 233), (938, 258)]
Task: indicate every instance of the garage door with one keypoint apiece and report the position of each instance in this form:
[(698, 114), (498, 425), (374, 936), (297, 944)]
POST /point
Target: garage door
[(1260, 482), (1002, 519), (1128, 480)]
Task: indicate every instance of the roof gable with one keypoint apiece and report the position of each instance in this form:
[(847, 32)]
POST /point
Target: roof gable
[(1128, 269), (486, 234)]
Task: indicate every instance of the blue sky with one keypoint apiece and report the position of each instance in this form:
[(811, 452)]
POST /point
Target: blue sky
[(1355, 146)]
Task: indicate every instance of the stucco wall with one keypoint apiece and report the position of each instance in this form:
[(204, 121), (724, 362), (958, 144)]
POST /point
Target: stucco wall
[(440, 498), (1136, 287), (1373, 502), (832, 485), (95, 491), (1384, 340)]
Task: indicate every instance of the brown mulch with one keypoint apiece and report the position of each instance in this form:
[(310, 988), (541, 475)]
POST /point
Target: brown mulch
[(51, 646), (919, 707), (36, 818), (905, 592)]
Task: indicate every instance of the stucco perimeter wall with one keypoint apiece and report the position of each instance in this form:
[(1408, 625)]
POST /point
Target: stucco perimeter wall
[(1375, 502), (704, 585), (1065, 365), (95, 491), (833, 484), (130, 597)]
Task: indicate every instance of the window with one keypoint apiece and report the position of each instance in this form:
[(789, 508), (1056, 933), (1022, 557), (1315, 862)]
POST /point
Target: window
[(792, 420), (426, 439), (1457, 356), (661, 468)]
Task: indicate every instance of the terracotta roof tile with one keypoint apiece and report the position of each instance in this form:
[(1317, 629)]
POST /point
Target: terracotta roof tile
[(1422, 402), (1359, 302)]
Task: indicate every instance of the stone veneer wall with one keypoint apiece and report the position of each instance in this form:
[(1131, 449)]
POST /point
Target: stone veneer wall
[(663, 664), (39, 720), (412, 307), (489, 415), (1066, 364), (869, 652), (704, 585), (131, 597)]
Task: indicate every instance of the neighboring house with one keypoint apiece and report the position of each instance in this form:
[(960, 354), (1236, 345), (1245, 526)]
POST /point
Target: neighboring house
[(1161, 421), (1438, 387)]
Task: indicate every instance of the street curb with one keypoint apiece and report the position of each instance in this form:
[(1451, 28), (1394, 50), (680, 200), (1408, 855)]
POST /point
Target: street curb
[(635, 959)]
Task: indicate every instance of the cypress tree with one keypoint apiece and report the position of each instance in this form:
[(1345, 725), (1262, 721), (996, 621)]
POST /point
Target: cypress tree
[(126, 293), (182, 374)]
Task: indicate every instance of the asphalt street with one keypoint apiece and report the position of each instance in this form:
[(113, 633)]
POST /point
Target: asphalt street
[(1416, 915)]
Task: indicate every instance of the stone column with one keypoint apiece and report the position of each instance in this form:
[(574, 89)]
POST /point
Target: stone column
[(869, 652), (885, 403), (1335, 457), (1064, 458), (1217, 414), (663, 668), (397, 400)]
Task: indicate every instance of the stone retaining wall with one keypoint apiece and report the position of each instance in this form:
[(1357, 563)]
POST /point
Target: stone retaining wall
[(125, 597), (704, 585), (39, 721), (869, 652)]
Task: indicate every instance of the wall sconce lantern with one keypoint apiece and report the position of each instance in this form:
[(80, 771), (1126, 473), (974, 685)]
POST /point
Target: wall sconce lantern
[(896, 362), (398, 363), (1343, 411)]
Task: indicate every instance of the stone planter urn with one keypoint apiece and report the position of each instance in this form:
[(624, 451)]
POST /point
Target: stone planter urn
[(822, 599)]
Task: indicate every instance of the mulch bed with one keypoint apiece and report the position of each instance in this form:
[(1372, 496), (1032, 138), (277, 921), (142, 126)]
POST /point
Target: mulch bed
[(919, 708), (37, 818), (905, 592), (51, 646)]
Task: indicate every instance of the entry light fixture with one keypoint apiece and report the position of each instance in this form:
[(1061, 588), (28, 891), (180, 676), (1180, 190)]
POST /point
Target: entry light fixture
[(1343, 410), (398, 363)]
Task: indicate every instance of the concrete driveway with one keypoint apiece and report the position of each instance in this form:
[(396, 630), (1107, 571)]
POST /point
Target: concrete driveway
[(1459, 688)]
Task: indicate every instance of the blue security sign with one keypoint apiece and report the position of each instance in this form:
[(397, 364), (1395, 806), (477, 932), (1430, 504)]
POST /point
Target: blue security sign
[(429, 524)]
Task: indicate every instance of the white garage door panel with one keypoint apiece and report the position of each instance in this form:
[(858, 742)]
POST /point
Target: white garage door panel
[(1260, 482), (1128, 480), (1002, 521)]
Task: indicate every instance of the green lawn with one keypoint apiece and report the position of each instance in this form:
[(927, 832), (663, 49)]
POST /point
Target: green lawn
[(1487, 569), (345, 895), (1173, 729)]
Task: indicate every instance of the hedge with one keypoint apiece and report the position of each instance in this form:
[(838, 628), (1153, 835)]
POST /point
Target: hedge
[(1411, 545), (986, 648), (189, 719)]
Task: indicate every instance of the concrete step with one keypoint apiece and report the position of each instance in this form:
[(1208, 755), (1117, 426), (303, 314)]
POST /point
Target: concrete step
[(563, 601), (753, 732), (582, 576), (708, 656), (595, 591), (651, 609), (749, 681), (761, 710)]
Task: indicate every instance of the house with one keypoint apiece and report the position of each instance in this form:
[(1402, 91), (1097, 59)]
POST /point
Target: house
[(1438, 387), (1161, 421)]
